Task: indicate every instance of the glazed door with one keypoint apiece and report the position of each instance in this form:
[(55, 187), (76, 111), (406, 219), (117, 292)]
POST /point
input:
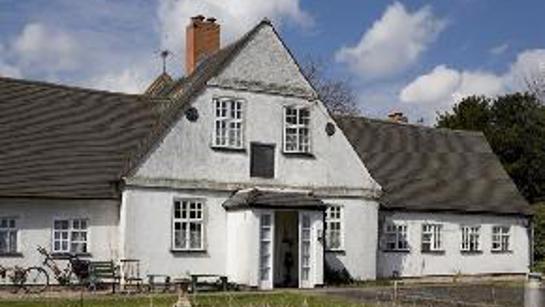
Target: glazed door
[(310, 249), (266, 245)]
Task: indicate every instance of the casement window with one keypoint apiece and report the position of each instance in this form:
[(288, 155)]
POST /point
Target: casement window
[(334, 228), (8, 235), (188, 225), (228, 123), (431, 237), (296, 130), (396, 237), (471, 236), (500, 238), (70, 236)]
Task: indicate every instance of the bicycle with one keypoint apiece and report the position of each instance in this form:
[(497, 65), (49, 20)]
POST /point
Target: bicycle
[(75, 273), (31, 280)]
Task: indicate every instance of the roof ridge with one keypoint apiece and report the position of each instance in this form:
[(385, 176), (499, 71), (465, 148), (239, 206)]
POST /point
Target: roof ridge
[(66, 87), (409, 125)]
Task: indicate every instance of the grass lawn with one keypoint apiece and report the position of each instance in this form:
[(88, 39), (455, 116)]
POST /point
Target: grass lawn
[(205, 300)]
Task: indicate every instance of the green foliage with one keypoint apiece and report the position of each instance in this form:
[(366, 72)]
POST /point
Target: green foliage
[(514, 125), (539, 236)]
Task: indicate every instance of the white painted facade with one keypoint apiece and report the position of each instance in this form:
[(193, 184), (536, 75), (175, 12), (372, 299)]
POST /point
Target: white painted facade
[(34, 222), (451, 260)]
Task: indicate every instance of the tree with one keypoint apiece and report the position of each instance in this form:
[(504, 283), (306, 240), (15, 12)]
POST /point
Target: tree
[(337, 95), (514, 125)]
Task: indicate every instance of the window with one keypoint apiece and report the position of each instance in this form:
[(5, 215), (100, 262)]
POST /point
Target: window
[(333, 219), (431, 237), (500, 238), (70, 236), (396, 237), (262, 160), (296, 130), (187, 223), (8, 235), (471, 238), (228, 125)]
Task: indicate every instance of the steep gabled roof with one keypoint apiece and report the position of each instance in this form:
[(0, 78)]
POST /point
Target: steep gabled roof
[(68, 142), (427, 169)]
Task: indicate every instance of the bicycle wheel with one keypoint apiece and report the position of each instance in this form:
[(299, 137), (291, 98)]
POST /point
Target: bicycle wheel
[(36, 280)]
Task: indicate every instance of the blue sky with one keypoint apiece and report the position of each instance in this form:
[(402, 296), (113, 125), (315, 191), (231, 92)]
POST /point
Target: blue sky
[(416, 56)]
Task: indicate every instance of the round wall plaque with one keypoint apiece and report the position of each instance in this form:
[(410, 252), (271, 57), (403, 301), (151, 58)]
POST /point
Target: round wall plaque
[(192, 114), (330, 129)]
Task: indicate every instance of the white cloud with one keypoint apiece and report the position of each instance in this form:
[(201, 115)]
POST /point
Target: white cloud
[(47, 49), (7, 70), (393, 43), (441, 88), (235, 17), (499, 49)]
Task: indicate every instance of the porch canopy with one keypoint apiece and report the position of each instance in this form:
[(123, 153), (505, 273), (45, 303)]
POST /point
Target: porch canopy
[(254, 198)]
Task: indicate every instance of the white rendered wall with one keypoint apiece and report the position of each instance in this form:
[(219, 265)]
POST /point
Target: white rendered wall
[(35, 226), (147, 217), (452, 261), (359, 237)]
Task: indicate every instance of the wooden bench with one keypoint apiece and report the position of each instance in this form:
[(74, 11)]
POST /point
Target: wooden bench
[(103, 272), (195, 281), (154, 283)]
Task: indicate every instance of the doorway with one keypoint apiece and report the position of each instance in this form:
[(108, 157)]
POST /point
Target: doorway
[(286, 249)]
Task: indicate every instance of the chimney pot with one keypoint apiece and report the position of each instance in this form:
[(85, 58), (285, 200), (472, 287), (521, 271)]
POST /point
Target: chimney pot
[(211, 19), (197, 18), (398, 117)]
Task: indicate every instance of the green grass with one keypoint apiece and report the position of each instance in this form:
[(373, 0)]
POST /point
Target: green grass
[(283, 299)]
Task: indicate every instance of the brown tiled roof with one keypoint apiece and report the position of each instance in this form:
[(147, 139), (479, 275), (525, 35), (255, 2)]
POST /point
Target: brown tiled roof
[(427, 169)]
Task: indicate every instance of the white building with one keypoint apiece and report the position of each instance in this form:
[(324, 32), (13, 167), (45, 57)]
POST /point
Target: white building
[(238, 169)]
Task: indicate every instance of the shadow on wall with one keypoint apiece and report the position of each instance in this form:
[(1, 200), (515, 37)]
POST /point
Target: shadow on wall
[(335, 273)]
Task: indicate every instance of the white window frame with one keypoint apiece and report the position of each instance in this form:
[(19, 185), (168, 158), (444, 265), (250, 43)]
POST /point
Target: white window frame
[(399, 233), (501, 237), (8, 225), (70, 232), (229, 122), (471, 238), (432, 236), (301, 145), (198, 219), (334, 215)]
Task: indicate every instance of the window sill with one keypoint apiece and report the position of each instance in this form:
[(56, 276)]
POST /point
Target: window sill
[(65, 256), (501, 252), (432, 252), (469, 253), (11, 255), (188, 251), (303, 155), (399, 251), (229, 149)]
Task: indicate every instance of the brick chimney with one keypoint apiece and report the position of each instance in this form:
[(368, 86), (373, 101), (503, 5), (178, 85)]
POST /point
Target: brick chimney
[(202, 40), (398, 117)]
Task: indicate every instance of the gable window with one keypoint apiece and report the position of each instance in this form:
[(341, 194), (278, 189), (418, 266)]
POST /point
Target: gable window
[(187, 225), (500, 238), (262, 160), (396, 237), (431, 237), (70, 236), (228, 123), (334, 227), (471, 238), (296, 130), (8, 235)]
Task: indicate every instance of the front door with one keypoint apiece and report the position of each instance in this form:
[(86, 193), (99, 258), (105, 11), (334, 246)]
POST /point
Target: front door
[(310, 249)]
